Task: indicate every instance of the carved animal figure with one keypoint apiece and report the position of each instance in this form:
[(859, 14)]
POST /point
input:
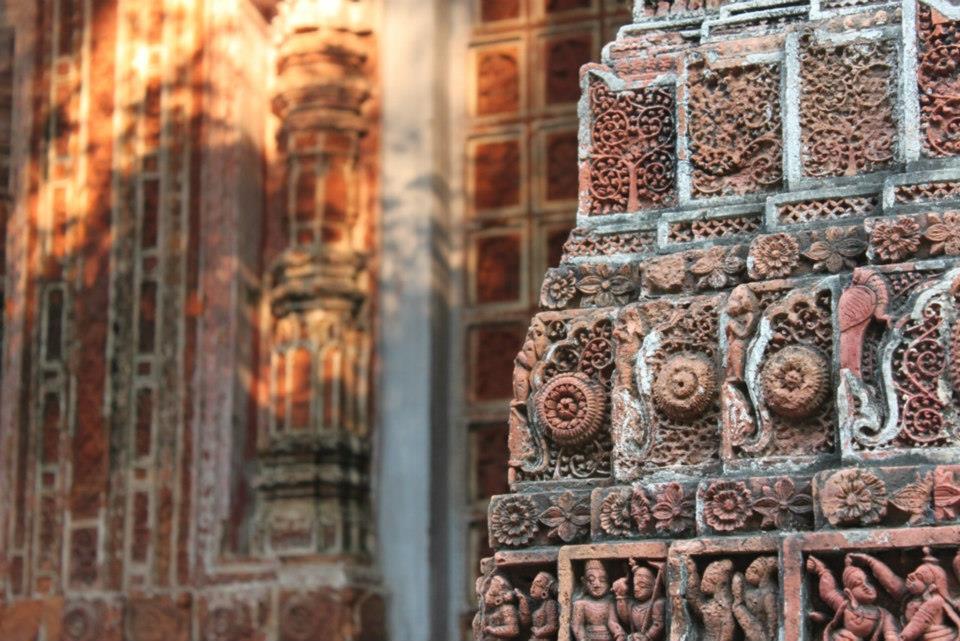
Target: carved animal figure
[(866, 298)]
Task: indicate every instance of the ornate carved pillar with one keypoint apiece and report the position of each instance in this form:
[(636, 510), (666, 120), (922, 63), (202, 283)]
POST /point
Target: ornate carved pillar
[(315, 449)]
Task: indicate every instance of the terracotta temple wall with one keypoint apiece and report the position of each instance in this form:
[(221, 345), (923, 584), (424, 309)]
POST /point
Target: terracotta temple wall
[(189, 196), (736, 416)]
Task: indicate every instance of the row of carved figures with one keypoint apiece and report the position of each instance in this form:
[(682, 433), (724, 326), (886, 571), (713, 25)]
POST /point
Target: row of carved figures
[(728, 604)]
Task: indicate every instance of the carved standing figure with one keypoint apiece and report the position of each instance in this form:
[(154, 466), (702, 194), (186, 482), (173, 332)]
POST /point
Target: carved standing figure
[(544, 620), (594, 613), (712, 599), (856, 615), (645, 613), (928, 613), (755, 599), (499, 618), (739, 424)]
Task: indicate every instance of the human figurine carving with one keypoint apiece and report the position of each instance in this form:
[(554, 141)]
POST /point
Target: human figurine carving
[(856, 616), (544, 619), (594, 612), (644, 614), (739, 424), (499, 618), (755, 599), (928, 613), (712, 599)]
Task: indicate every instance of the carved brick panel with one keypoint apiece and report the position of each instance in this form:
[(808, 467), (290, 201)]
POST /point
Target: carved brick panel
[(632, 162), (938, 80)]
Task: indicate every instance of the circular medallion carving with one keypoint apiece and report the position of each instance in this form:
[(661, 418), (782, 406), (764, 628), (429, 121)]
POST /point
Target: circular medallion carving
[(795, 381), (685, 386), (571, 406), (81, 622)]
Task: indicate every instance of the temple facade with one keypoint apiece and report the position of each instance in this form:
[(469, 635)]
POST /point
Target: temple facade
[(736, 416)]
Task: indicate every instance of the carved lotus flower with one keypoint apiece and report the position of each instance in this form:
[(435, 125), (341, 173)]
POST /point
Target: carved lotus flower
[(615, 518), (944, 233), (854, 497), (673, 509), (566, 517), (774, 256), (512, 520), (836, 250), (685, 386), (559, 288), (571, 407), (896, 239), (726, 505), (605, 286), (795, 381), (781, 502), (716, 268)]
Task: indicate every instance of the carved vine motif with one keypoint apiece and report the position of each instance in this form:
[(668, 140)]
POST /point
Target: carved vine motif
[(665, 403), (846, 106), (562, 379), (938, 77), (735, 129), (905, 596), (633, 159), (729, 603)]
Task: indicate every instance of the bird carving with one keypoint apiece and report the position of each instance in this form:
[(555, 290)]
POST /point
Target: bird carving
[(866, 298)]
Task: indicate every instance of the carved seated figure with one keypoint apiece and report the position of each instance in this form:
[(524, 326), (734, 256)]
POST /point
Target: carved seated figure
[(644, 614), (856, 615), (924, 595), (594, 613), (544, 621), (712, 599), (499, 618)]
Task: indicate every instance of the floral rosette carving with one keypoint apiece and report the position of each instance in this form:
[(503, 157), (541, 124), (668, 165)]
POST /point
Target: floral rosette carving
[(943, 232), (716, 268), (837, 249), (780, 504), (566, 517), (895, 240), (685, 386), (615, 517), (853, 497), (640, 508), (559, 288), (673, 509), (946, 495), (604, 285), (726, 505), (795, 381), (513, 520), (571, 408), (774, 256)]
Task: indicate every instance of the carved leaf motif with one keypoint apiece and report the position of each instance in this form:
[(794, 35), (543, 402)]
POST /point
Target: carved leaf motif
[(914, 498)]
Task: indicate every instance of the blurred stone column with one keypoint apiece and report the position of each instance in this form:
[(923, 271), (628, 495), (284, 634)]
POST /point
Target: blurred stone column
[(313, 481)]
